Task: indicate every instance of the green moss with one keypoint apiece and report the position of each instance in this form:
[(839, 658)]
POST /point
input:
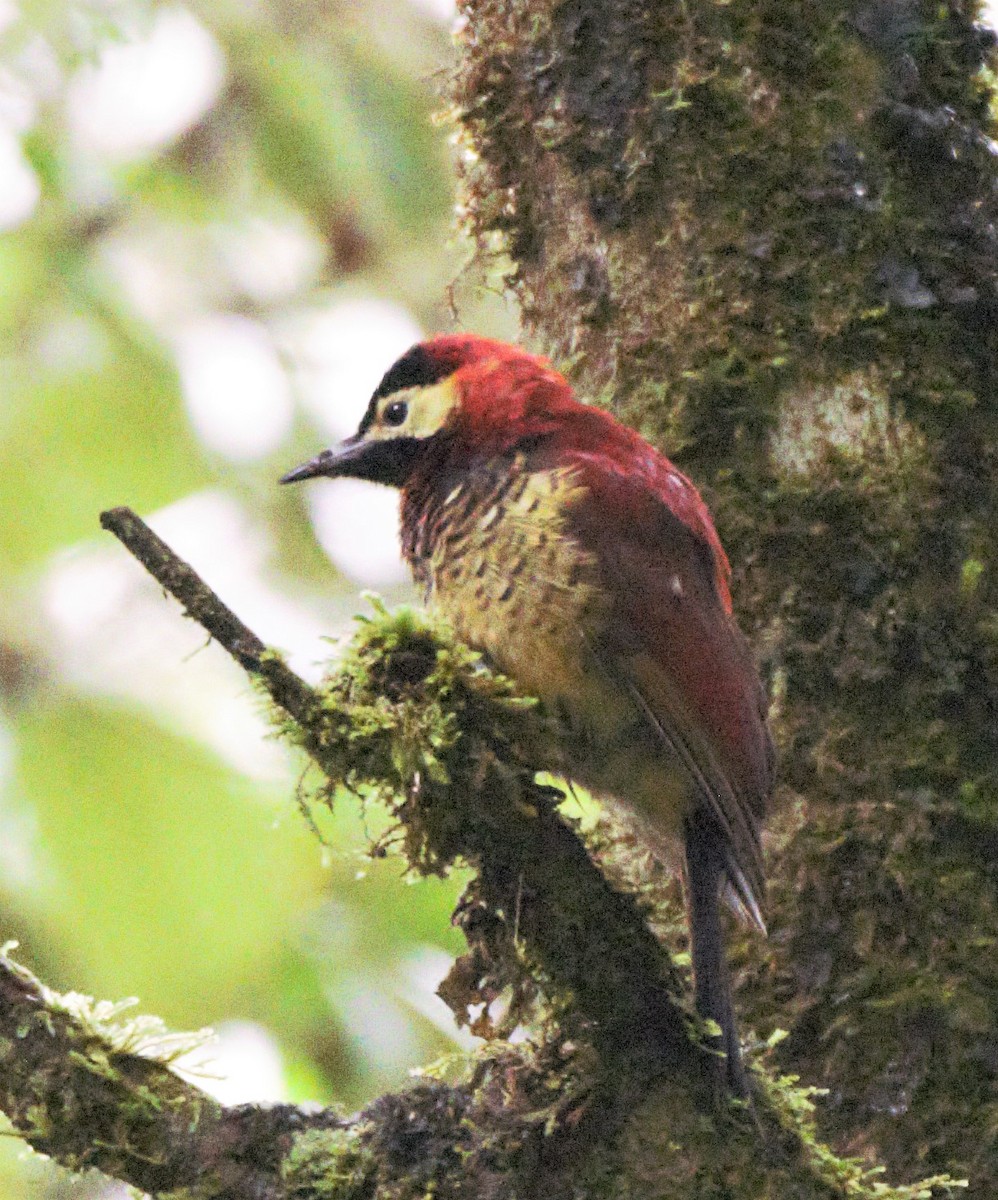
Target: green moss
[(699, 1159), (494, 1131), (970, 575), (729, 195), (416, 720), (451, 748), (763, 234), (519, 1124), (90, 1089), (329, 1164)]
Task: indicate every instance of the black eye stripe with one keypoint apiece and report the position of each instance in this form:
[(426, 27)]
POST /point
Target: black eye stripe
[(416, 368), (395, 413)]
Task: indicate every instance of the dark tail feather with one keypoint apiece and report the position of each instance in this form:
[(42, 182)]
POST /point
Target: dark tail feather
[(705, 869)]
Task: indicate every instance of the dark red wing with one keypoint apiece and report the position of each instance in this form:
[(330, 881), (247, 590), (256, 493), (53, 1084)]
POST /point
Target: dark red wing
[(675, 647)]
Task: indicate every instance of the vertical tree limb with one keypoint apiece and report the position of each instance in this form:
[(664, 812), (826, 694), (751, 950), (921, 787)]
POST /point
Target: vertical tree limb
[(765, 233)]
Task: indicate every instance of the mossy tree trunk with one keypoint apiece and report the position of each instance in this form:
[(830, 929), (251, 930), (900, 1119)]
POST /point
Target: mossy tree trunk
[(763, 231)]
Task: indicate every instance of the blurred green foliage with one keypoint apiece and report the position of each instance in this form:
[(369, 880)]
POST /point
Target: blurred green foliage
[(142, 854)]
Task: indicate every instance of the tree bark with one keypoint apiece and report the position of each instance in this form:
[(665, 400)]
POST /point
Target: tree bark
[(765, 234)]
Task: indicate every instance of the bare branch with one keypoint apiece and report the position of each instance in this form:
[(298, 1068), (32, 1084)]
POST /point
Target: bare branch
[(201, 604)]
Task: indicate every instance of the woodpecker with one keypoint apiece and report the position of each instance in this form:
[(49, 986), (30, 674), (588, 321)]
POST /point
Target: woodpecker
[(586, 567)]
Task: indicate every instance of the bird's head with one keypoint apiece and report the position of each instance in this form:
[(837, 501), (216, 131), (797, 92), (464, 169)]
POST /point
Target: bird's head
[(456, 390)]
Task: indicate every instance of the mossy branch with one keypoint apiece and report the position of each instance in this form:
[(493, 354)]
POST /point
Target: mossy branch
[(420, 719), (453, 750), (93, 1091)]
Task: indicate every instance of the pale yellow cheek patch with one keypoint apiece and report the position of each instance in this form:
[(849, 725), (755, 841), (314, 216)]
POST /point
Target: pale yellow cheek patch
[(429, 410)]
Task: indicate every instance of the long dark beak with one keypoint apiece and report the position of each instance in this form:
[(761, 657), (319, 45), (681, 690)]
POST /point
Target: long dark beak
[(383, 460), (330, 463)]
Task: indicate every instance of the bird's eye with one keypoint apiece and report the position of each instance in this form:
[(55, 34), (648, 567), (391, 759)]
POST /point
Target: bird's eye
[(395, 413)]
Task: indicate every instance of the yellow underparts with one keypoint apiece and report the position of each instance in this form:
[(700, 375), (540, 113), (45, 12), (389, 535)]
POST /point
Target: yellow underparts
[(512, 582)]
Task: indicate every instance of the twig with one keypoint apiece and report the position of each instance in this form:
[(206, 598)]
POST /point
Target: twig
[(201, 604)]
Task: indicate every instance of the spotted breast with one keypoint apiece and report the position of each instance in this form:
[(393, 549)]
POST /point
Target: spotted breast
[(490, 550), (495, 555)]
